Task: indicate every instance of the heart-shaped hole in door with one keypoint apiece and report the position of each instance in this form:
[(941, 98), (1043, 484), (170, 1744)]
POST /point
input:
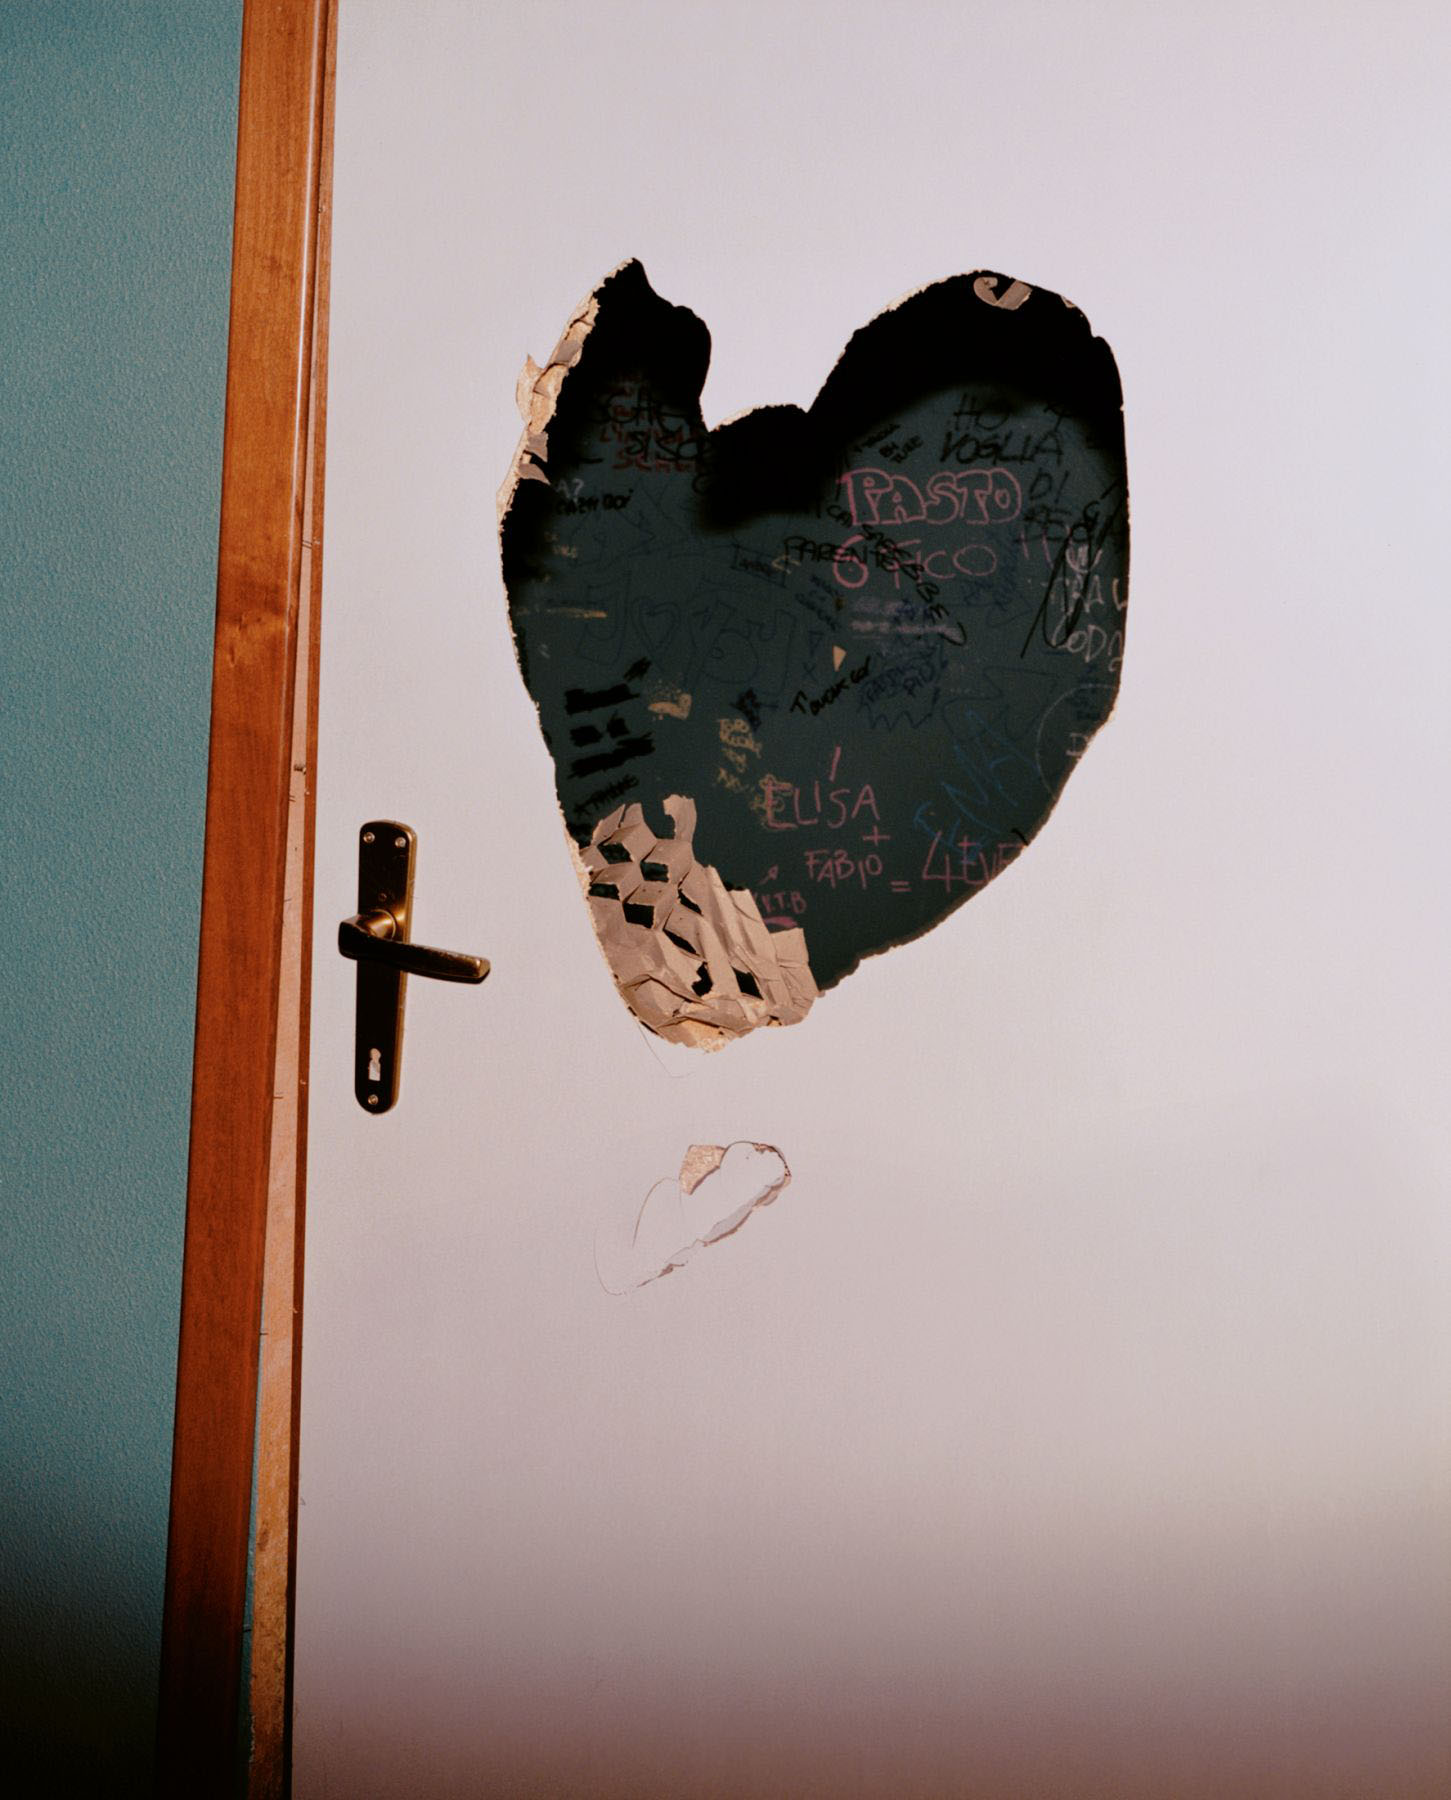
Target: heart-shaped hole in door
[(811, 680)]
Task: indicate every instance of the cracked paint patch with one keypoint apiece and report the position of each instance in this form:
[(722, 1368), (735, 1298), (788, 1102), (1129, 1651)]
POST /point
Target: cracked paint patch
[(692, 958), (716, 1191)]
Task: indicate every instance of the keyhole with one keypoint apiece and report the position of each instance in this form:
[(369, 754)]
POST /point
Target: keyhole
[(375, 1065)]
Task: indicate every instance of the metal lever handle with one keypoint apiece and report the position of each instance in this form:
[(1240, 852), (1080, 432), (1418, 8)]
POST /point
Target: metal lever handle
[(374, 937)]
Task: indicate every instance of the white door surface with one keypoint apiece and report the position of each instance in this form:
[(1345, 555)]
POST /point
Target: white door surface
[(1074, 1423)]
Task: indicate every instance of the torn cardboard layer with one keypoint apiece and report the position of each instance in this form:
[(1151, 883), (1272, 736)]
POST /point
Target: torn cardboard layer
[(716, 1191), (692, 958), (871, 638), (536, 394)]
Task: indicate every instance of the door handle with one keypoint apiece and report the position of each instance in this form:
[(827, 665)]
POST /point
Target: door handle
[(373, 937), (376, 937)]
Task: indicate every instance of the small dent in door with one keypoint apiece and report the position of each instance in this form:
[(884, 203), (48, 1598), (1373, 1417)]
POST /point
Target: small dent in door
[(717, 1190)]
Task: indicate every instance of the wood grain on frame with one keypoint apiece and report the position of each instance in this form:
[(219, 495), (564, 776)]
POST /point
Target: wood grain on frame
[(279, 1384), (259, 593)]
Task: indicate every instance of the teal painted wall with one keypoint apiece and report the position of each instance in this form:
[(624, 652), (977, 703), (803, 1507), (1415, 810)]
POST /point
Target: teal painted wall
[(118, 122)]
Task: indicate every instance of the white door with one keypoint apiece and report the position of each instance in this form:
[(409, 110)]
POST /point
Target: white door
[(1074, 1422)]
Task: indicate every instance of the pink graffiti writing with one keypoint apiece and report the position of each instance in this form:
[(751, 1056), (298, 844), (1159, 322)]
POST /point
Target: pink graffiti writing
[(781, 907), (973, 865), (979, 496), (906, 558), (789, 807), (838, 866)]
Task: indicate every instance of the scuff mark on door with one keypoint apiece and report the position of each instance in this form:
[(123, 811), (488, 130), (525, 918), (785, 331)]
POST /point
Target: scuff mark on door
[(716, 1191)]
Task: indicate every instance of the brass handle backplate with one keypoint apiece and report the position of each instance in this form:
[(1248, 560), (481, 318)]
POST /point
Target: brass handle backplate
[(376, 938)]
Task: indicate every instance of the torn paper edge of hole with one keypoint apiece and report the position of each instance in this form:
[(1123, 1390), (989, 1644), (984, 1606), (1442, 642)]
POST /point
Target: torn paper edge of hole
[(681, 972), (716, 1191), (536, 393)]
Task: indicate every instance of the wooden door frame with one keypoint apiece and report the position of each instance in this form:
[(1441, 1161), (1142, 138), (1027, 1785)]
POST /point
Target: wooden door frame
[(248, 1113)]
